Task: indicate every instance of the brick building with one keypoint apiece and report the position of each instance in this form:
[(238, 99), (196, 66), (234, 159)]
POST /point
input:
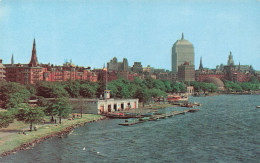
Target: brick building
[(34, 72)]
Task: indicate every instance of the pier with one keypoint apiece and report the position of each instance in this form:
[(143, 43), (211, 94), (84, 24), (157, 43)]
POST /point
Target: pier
[(157, 117)]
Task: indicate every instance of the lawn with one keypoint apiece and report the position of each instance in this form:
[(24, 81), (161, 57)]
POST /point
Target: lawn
[(12, 137)]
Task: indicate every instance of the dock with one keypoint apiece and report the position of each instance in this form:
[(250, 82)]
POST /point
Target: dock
[(158, 117)]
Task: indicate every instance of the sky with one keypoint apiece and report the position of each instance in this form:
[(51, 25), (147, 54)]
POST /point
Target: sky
[(92, 32)]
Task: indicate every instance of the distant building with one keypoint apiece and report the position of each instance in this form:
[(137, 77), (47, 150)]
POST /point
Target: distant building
[(231, 72), (104, 105), (137, 67), (186, 72), (117, 66), (2, 70), (34, 72), (25, 73), (182, 51)]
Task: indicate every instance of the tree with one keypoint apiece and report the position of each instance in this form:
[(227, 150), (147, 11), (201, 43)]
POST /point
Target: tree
[(175, 87), (51, 90), (182, 87), (73, 88), (12, 94), (196, 86), (6, 117), (142, 94), (29, 114), (167, 85), (60, 107), (87, 90), (254, 79)]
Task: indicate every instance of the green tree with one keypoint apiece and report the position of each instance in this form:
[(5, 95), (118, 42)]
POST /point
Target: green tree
[(60, 107), (182, 87), (142, 94), (175, 87), (196, 86), (29, 114), (51, 89), (73, 88), (6, 117), (167, 85), (87, 90), (12, 94), (254, 79)]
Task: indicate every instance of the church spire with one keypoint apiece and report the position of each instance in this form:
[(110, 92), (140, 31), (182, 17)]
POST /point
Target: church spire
[(201, 66), (34, 61), (230, 59), (12, 59), (182, 36)]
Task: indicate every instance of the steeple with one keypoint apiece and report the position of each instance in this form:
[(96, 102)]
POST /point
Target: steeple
[(201, 66), (230, 59), (182, 36), (12, 59), (34, 61)]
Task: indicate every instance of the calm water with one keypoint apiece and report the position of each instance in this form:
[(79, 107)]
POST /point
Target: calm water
[(226, 129)]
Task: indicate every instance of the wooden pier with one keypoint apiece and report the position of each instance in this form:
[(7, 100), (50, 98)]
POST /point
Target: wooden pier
[(158, 117)]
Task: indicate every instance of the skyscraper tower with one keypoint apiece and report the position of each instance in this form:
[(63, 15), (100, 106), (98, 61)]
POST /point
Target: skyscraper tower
[(34, 61), (182, 51)]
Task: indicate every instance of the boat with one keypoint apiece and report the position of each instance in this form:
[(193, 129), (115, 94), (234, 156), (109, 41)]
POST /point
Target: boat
[(193, 110), (176, 99), (257, 106)]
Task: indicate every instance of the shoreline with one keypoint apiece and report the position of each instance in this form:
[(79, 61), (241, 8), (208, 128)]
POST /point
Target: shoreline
[(66, 130)]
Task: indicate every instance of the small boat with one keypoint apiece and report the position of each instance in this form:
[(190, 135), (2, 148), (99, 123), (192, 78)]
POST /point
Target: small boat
[(257, 106), (176, 98), (193, 110)]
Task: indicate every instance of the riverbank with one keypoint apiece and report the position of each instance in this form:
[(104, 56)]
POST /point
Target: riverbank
[(13, 140)]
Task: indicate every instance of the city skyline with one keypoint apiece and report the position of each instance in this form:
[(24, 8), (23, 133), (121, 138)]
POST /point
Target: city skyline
[(86, 31)]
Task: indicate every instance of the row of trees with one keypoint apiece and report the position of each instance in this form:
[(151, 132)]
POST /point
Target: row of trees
[(13, 95), (35, 113), (240, 87)]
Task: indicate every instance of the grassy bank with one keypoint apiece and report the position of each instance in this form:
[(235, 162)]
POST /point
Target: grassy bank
[(13, 138)]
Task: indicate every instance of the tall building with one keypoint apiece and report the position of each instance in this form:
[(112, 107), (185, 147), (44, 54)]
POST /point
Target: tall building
[(117, 66), (186, 72), (182, 51)]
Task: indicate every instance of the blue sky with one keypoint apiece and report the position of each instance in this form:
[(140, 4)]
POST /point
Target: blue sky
[(91, 32)]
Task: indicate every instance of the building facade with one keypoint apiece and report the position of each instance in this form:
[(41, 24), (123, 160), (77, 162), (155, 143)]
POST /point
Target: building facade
[(2, 70), (182, 51), (117, 66), (34, 72), (186, 72)]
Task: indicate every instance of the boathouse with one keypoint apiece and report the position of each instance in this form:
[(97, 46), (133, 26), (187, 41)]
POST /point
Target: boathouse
[(103, 105)]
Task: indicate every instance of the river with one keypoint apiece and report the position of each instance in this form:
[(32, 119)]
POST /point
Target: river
[(226, 129)]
